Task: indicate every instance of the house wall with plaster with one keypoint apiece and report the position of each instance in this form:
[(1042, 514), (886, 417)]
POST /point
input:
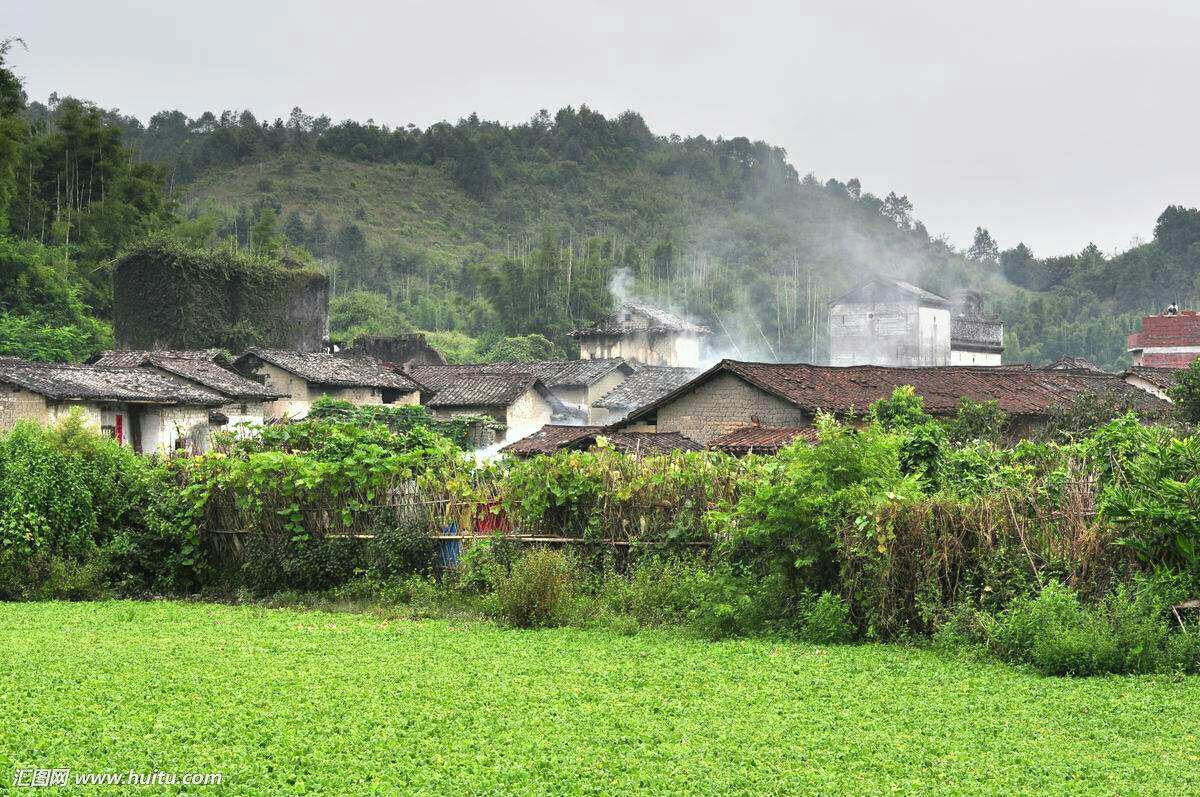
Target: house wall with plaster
[(888, 333)]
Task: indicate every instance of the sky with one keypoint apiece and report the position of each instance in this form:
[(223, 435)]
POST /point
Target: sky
[(1055, 123)]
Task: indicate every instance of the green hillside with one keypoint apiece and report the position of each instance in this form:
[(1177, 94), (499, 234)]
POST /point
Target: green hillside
[(725, 231), (479, 230)]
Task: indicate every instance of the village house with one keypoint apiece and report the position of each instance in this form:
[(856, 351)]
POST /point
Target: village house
[(573, 384), (1168, 340), (553, 437), (643, 335), (152, 412), (519, 402), (894, 323), (300, 378), (647, 385), (733, 395), (206, 368)]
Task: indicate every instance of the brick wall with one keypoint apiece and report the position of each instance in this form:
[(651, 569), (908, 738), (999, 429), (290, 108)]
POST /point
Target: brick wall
[(723, 404)]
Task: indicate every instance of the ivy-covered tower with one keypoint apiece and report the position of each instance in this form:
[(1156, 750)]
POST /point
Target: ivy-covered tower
[(167, 295)]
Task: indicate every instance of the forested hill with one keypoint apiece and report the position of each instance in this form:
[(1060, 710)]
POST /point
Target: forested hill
[(486, 230), (479, 227)]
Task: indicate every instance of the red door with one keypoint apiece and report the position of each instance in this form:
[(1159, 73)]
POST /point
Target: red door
[(120, 429)]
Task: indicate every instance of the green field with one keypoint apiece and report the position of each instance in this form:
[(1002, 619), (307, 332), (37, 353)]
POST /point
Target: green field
[(283, 701)]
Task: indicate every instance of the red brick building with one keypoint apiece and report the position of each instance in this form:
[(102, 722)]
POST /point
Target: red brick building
[(1167, 340)]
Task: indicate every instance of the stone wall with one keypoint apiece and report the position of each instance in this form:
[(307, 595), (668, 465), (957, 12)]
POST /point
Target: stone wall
[(17, 405), (721, 405)]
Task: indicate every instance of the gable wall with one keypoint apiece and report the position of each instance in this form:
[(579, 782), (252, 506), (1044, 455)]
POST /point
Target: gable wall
[(721, 405), (17, 404)]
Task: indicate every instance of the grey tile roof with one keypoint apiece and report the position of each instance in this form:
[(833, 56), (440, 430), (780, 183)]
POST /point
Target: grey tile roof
[(553, 373), (976, 333), (1072, 364), (483, 390), (326, 369), (867, 290), (555, 437), (205, 367), (99, 383), (131, 358), (1162, 378), (646, 385), (658, 321), (215, 377)]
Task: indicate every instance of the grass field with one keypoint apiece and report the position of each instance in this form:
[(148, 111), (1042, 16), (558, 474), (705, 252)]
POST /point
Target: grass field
[(283, 701)]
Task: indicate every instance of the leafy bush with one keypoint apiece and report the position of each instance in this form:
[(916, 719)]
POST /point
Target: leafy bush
[(400, 547), (80, 513), (792, 507), (1059, 635), (540, 590), (977, 421), (826, 621), (273, 563)]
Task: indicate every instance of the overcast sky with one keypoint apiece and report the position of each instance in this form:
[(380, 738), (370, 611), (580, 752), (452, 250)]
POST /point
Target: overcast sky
[(1052, 122)]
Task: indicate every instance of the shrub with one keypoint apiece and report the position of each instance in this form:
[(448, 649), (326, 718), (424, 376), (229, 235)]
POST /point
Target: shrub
[(662, 589), (977, 421), (1059, 635), (827, 621), (400, 547), (540, 590), (274, 563), (792, 507), (484, 563), (80, 514)]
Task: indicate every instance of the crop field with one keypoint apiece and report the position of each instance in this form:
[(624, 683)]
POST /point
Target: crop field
[(282, 701)]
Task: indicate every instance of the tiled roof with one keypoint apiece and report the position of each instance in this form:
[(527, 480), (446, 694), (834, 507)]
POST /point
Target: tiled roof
[(976, 333), (326, 369), (646, 385), (871, 290), (98, 383), (552, 437), (204, 367), (131, 358), (553, 373), (1073, 364), (659, 321), (761, 439), (215, 377), (650, 443), (482, 390), (1018, 391), (1162, 378)]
